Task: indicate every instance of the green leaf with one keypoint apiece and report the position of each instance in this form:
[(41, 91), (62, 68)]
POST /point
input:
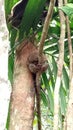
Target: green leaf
[(63, 103), (44, 98), (8, 6), (67, 9), (31, 16), (50, 95), (46, 81), (51, 77), (13, 34), (54, 64), (65, 78), (10, 68)]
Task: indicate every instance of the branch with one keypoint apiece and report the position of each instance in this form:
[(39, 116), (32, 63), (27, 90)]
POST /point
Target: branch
[(43, 37), (46, 26), (68, 125), (60, 67)]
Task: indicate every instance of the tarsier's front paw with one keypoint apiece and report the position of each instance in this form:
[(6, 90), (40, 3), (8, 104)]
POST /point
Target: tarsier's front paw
[(34, 65)]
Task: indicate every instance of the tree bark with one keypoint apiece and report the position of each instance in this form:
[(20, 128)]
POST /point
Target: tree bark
[(23, 91), (4, 86)]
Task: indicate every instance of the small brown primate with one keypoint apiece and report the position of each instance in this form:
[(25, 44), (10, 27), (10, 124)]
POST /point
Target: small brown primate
[(34, 65), (37, 68), (17, 13)]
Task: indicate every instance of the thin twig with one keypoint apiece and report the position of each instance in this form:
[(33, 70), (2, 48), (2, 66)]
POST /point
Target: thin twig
[(46, 26), (38, 75), (60, 67)]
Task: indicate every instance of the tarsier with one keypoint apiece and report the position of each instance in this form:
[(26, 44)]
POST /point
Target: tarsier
[(36, 67), (33, 60)]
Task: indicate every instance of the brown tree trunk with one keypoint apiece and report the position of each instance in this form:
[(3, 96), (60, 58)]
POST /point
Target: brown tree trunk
[(23, 91)]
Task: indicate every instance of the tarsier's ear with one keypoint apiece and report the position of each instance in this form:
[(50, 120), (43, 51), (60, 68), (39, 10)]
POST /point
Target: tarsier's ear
[(17, 13)]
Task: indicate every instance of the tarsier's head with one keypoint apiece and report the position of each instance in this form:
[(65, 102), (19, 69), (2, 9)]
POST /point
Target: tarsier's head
[(35, 65)]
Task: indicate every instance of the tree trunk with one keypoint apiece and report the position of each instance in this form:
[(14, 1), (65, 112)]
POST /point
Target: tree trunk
[(4, 86), (23, 92)]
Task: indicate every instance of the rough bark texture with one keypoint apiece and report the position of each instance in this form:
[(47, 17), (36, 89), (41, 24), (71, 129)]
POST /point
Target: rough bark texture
[(23, 92)]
